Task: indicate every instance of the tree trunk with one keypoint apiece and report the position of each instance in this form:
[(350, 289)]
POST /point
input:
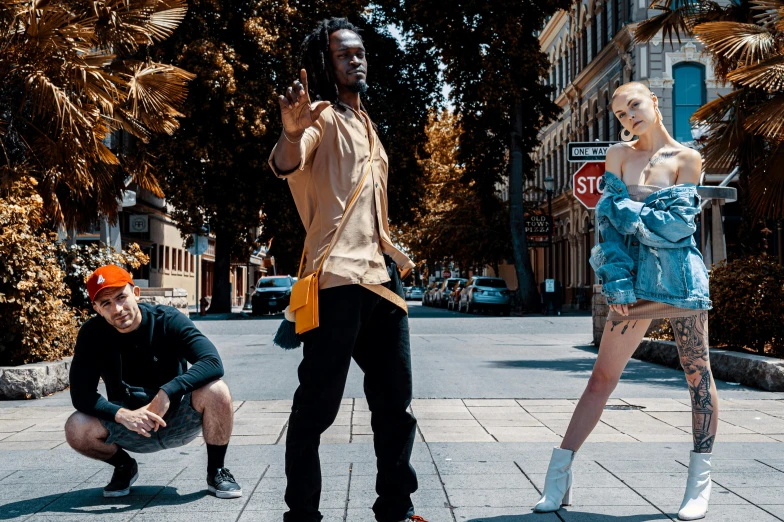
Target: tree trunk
[(526, 284), (221, 289)]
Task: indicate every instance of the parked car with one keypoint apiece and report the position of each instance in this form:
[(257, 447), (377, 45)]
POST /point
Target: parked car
[(454, 298), (430, 293), (272, 294), (415, 293), (485, 293), (444, 290)]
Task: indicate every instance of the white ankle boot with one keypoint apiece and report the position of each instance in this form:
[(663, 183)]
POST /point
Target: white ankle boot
[(698, 487), (558, 482)]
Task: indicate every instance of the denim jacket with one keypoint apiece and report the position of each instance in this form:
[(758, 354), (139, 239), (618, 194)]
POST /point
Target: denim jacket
[(648, 249)]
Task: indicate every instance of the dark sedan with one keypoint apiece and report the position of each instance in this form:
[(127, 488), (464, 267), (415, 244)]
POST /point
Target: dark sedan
[(272, 294)]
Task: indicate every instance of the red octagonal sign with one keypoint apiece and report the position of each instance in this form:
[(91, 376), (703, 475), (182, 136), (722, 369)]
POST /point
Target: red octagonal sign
[(586, 183)]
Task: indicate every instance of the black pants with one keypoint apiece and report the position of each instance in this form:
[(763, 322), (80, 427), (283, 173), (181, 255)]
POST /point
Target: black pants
[(354, 322)]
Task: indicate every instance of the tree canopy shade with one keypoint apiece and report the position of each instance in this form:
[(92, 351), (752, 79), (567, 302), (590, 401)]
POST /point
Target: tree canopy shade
[(492, 60), (72, 75), (214, 170)]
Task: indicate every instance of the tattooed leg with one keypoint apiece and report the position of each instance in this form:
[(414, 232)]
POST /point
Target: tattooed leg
[(691, 336)]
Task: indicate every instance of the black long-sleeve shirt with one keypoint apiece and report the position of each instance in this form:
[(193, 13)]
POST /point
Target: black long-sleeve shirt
[(135, 365)]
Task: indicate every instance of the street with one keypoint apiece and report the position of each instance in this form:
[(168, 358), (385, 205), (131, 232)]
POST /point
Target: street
[(492, 396)]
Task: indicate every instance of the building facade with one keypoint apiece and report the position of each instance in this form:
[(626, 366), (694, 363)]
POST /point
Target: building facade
[(591, 53)]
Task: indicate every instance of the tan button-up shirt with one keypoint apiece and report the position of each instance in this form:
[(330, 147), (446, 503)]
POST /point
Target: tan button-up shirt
[(334, 154)]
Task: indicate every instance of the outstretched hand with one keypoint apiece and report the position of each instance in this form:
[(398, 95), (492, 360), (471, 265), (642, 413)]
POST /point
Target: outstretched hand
[(296, 110)]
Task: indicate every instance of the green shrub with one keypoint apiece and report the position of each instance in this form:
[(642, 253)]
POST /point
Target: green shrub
[(36, 321), (748, 307)]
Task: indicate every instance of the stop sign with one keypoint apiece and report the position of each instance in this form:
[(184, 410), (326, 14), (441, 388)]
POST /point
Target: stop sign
[(586, 183)]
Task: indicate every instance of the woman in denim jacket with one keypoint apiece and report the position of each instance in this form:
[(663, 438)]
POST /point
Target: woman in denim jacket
[(651, 269)]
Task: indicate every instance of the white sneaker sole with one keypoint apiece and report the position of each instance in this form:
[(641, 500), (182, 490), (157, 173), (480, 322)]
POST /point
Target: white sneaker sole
[(121, 492), (224, 494)]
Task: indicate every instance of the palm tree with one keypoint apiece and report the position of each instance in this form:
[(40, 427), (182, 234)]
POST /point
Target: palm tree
[(745, 40), (73, 73)]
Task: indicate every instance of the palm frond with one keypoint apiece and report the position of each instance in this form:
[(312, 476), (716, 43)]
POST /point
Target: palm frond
[(723, 128), (677, 18), (162, 23), (717, 110), (746, 43), (767, 75), (49, 98), (766, 186), (771, 13), (768, 120), (153, 92)]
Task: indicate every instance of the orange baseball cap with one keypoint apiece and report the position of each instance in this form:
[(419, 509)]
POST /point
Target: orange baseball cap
[(107, 276)]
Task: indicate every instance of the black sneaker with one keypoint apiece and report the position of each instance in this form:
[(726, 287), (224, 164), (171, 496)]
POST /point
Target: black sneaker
[(122, 479), (223, 485)]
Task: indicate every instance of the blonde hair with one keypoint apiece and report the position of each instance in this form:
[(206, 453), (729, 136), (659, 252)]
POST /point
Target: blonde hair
[(631, 86)]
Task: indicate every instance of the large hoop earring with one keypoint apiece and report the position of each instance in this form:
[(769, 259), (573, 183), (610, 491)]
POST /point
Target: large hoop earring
[(626, 135)]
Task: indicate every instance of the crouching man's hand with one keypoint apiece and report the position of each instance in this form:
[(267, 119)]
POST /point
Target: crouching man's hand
[(142, 421)]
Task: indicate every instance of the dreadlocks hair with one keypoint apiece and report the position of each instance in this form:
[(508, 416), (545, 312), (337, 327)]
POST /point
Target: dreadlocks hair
[(316, 60)]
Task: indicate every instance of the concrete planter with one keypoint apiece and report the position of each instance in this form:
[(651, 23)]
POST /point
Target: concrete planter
[(176, 297), (755, 371), (33, 381)]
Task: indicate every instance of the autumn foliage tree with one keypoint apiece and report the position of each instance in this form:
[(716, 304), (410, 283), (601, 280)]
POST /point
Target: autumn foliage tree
[(449, 224)]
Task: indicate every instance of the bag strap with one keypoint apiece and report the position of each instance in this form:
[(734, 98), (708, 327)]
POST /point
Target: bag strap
[(345, 212)]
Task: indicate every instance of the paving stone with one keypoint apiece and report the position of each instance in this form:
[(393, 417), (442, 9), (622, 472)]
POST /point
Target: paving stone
[(669, 499), (735, 513), (276, 515), (523, 434), (507, 514), (477, 468), (772, 494), (636, 513), (582, 480), (457, 434), (214, 516), (486, 481), (502, 497), (490, 402), (31, 436)]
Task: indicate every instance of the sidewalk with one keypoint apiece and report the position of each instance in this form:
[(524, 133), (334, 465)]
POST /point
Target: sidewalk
[(477, 460)]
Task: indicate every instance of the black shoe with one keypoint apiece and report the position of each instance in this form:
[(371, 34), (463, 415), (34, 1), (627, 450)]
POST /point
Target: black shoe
[(223, 485), (122, 479)]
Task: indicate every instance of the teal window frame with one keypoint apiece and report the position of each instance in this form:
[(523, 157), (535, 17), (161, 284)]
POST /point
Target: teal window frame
[(686, 97)]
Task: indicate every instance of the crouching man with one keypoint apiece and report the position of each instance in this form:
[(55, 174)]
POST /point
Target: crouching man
[(154, 401)]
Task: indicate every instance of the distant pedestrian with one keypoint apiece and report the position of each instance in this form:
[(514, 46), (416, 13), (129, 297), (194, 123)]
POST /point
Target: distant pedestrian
[(651, 268), (153, 400), (331, 155)]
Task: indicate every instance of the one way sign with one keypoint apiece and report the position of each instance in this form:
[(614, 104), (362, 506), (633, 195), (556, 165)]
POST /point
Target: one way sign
[(582, 151)]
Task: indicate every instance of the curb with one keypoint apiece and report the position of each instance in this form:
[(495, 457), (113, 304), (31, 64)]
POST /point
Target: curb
[(754, 371), (33, 381)]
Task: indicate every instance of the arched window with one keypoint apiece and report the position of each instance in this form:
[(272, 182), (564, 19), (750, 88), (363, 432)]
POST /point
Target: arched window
[(688, 95), (595, 133), (584, 47), (604, 29), (607, 116), (585, 125), (594, 36)]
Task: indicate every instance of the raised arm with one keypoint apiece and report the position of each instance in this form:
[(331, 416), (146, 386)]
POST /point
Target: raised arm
[(298, 114)]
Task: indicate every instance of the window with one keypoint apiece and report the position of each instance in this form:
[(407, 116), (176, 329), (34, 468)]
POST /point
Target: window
[(179, 260), (187, 261), (584, 46), (594, 33), (595, 121), (607, 116), (153, 256), (160, 257), (688, 95), (193, 263), (167, 259), (604, 30)]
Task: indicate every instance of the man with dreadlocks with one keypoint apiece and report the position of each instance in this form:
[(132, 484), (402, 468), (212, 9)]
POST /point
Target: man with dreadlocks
[(329, 152)]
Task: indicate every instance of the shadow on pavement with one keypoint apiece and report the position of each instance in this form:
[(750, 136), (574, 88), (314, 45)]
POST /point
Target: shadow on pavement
[(650, 373), (92, 502), (582, 516)]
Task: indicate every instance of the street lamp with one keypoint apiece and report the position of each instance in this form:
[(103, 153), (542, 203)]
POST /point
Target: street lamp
[(549, 185)]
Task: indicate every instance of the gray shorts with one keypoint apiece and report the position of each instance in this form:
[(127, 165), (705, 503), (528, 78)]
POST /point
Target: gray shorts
[(182, 426)]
